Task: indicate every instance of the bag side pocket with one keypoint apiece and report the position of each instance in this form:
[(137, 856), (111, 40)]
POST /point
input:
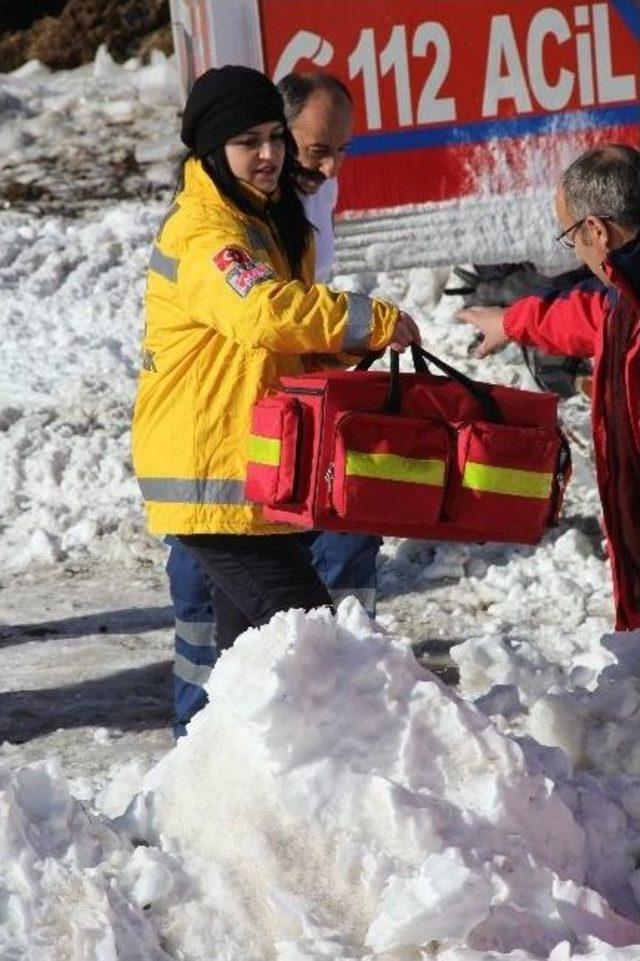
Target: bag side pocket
[(273, 446)]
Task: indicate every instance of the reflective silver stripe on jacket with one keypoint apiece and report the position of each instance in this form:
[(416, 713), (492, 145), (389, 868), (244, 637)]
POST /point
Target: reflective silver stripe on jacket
[(167, 267), (177, 490), (197, 633), (173, 210), (359, 318), (191, 673)]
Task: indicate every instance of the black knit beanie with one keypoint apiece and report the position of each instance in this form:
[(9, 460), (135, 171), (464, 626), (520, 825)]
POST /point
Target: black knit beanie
[(224, 102)]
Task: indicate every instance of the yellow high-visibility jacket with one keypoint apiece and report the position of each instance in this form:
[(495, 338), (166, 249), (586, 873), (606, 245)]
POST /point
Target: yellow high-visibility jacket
[(224, 321)]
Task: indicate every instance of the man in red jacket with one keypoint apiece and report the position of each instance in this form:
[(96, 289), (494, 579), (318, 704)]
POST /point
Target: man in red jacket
[(598, 206)]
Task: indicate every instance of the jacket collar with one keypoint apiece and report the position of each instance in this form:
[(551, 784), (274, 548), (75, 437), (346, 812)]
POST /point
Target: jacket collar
[(257, 197), (622, 267), (198, 181)]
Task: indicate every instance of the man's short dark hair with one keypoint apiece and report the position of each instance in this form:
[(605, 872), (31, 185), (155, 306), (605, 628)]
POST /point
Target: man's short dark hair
[(296, 88), (605, 180)]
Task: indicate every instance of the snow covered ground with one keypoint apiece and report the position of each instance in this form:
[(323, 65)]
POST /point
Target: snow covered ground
[(336, 800)]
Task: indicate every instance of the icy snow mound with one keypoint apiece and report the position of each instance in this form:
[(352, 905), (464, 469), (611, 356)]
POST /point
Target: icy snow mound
[(71, 308), (71, 315), (71, 325), (334, 800), (69, 885), (72, 139)]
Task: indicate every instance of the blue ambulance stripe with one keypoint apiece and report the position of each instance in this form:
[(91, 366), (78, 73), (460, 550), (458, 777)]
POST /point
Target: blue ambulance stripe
[(629, 10), (449, 135)]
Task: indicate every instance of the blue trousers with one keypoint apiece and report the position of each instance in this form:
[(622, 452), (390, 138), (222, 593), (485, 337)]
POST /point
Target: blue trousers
[(346, 563)]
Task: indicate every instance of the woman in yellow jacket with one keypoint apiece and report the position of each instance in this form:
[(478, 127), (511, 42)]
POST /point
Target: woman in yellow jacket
[(231, 307)]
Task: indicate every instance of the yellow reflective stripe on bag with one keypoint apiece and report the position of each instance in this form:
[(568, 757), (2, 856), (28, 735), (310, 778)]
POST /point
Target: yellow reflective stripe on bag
[(264, 450), (507, 480), (393, 467)]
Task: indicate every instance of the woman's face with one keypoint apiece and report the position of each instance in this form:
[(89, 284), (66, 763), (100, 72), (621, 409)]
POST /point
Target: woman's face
[(256, 156)]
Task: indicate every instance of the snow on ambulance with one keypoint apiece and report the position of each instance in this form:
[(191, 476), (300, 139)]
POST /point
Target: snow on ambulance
[(466, 110)]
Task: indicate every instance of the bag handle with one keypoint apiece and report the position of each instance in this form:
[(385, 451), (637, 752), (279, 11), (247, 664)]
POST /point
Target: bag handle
[(419, 362), (478, 391), (369, 359), (420, 356)]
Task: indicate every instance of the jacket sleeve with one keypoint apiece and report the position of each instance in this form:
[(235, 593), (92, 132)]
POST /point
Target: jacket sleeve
[(566, 322), (226, 284)]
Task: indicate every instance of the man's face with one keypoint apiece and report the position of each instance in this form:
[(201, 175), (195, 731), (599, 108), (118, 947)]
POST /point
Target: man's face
[(322, 131), (591, 238)]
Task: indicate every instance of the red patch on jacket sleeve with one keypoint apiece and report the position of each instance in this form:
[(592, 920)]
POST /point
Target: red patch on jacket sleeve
[(244, 277), (228, 256)]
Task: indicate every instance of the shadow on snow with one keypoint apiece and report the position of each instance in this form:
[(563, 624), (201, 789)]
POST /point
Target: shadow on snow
[(133, 700), (130, 620)]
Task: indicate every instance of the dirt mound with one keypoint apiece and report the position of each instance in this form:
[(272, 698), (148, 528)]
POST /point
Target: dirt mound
[(66, 34)]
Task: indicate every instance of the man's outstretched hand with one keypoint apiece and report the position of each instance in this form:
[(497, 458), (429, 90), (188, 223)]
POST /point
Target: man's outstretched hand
[(488, 320)]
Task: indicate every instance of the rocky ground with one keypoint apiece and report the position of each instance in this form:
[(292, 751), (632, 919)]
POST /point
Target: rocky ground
[(61, 166), (67, 33), (72, 140)]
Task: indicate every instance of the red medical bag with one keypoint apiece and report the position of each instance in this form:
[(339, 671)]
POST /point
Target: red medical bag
[(409, 455)]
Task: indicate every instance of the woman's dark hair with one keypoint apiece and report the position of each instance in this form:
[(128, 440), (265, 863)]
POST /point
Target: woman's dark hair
[(286, 214)]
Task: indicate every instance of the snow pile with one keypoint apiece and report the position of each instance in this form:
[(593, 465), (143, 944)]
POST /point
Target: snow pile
[(589, 720), (334, 800), (70, 886), (74, 138), (71, 311), (530, 616), (71, 321)]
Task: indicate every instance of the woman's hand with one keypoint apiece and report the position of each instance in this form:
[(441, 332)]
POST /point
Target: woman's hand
[(406, 332)]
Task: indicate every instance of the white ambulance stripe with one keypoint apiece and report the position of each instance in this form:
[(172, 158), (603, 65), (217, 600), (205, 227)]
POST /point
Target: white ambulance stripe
[(358, 322), (178, 490)]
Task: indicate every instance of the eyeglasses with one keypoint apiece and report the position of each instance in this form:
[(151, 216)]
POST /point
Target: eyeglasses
[(563, 238)]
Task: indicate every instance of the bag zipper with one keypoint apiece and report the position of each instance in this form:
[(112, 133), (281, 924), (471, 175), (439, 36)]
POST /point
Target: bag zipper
[(303, 390), (328, 476)]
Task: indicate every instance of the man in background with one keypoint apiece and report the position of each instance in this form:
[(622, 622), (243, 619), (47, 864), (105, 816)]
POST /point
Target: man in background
[(598, 207), (319, 113)]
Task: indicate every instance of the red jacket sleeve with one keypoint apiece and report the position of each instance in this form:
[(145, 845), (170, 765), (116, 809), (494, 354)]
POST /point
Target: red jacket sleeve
[(565, 322)]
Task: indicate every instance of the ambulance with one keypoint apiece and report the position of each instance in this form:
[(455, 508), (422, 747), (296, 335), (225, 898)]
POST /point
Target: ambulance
[(466, 110)]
